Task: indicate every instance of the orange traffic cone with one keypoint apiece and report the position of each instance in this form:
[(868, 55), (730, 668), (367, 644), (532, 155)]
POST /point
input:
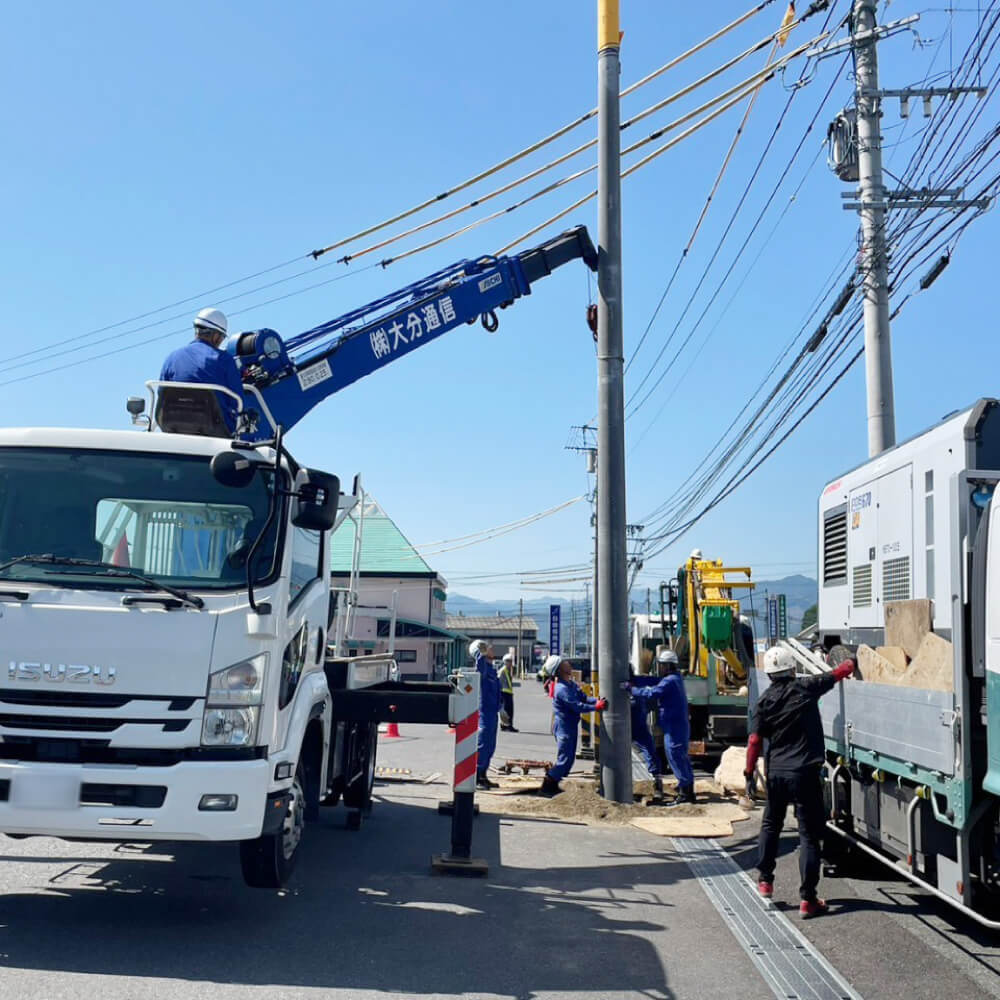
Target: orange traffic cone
[(392, 731)]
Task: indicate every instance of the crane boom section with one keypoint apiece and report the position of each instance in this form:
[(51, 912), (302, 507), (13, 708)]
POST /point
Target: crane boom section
[(294, 376)]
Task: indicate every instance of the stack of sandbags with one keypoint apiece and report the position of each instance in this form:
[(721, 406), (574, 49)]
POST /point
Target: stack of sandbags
[(883, 665), (931, 668), (913, 656), (729, 773), (906, 624)]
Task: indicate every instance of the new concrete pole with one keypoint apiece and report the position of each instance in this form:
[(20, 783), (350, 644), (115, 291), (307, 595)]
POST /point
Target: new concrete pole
[(874, 255), (612, 595), (520, 626)]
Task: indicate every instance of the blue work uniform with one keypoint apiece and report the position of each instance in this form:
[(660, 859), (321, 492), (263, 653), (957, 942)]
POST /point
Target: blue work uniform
[(670, 698), (201, 362), (641, 736), (568, 704), (489, 711)]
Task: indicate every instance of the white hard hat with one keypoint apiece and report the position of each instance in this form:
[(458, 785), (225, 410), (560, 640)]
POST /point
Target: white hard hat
[(695, 554), (212, 320), (478, 646), (778, 661), (551, 665), (667, 656), (508, 658), (744, 620)]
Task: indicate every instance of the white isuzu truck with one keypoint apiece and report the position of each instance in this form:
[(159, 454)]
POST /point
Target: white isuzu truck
[(909, 567), (164, 615)]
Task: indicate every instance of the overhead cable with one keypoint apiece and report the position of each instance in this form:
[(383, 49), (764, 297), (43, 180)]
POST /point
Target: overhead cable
[(759, 77), (557, 134)]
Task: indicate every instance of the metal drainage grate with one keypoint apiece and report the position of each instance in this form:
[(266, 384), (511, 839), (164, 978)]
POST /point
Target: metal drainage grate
[(790, 965)]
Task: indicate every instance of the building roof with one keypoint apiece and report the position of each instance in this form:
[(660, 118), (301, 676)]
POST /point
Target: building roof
[(384, 548), (483, 626), (411, 628)]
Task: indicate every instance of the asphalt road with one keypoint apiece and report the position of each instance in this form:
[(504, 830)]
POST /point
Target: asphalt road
[(567, 910)]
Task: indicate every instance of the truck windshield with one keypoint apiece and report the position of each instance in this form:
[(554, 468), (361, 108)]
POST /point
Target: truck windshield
[(164, 516)]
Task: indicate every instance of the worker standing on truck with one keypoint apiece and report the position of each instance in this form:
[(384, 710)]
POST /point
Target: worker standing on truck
[(568, 704), (489, 710), (202, 361), (506, 693), (787, 716), (668, 695)]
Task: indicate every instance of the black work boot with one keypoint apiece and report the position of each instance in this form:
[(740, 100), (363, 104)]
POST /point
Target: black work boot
[(549, 787), (482, 781), (685, 796)]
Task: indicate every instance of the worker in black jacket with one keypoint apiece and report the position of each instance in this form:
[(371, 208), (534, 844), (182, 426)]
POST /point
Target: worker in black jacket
[(787, 716)]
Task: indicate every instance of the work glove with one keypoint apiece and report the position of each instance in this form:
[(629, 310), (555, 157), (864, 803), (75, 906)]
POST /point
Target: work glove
[(751, 785), (844, 670), (602, 704)]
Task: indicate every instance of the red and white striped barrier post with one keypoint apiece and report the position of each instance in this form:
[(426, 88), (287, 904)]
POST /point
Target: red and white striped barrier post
[(463, 713)]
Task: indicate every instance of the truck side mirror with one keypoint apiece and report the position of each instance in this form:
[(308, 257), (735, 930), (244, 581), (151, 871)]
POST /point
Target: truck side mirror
[(231, 468), (316, 500)]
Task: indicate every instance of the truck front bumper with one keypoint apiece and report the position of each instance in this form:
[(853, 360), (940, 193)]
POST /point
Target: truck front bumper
[(120, 802)]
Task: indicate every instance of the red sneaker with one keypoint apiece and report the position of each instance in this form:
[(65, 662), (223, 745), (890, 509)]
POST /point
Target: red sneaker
[(766, 889), (812, 908)]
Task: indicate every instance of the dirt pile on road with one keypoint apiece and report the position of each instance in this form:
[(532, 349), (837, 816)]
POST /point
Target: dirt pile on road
[(580, 803)]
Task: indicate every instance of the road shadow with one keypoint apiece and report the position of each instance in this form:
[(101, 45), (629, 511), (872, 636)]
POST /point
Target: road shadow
[(363, 912)]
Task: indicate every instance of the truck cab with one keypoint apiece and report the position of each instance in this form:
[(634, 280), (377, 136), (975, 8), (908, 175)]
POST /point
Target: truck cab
[(164, 611)]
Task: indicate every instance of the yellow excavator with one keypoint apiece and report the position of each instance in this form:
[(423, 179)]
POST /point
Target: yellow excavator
[(715, 647)]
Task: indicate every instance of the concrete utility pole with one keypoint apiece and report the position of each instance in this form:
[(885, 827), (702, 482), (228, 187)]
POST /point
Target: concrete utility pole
[(616, 736), (874, 254), (520, 628)]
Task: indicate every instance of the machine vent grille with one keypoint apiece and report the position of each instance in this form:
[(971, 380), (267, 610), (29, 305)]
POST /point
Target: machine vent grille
[(835, 548), (862, 579), (896, 579)]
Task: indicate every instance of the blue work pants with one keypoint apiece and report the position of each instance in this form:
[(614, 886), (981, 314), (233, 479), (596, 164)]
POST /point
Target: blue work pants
[(486, 743), (565, 752), (680, 762), (643, 739)]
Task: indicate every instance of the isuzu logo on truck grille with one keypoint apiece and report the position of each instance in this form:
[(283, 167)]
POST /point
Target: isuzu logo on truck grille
[(60, 673)]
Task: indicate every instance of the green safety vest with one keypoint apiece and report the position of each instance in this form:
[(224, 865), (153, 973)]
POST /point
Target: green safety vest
[(506, 684)]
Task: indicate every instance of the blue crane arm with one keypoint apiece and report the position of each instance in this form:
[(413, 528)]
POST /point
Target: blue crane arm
[(293, 376)]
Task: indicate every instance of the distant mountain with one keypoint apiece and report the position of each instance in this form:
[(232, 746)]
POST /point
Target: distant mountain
[(800, 593)]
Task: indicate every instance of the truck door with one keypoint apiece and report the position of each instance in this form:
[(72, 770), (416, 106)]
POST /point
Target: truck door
[(308, 601)]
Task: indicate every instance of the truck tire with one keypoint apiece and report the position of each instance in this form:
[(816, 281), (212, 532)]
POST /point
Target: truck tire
[(267, 861), (358, 792)]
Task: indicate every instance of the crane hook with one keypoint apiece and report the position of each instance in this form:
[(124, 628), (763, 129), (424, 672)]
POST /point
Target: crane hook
[(490, 321)]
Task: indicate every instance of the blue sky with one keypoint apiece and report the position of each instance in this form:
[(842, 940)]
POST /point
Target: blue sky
[(155, 151)]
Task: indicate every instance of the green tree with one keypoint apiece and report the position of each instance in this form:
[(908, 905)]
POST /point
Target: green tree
[(809, 616)]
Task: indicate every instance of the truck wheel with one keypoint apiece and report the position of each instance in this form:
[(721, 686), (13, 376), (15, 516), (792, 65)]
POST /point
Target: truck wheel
[(358, 793), (268, 861)]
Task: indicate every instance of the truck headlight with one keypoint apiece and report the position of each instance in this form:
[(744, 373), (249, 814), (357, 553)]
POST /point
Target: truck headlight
[(229, 727), (240, 684)]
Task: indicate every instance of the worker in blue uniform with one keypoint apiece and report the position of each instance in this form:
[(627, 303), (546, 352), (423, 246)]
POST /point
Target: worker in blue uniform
[(643, 738), (202, 361), (568, 704), (667, 694), (489, 710)]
